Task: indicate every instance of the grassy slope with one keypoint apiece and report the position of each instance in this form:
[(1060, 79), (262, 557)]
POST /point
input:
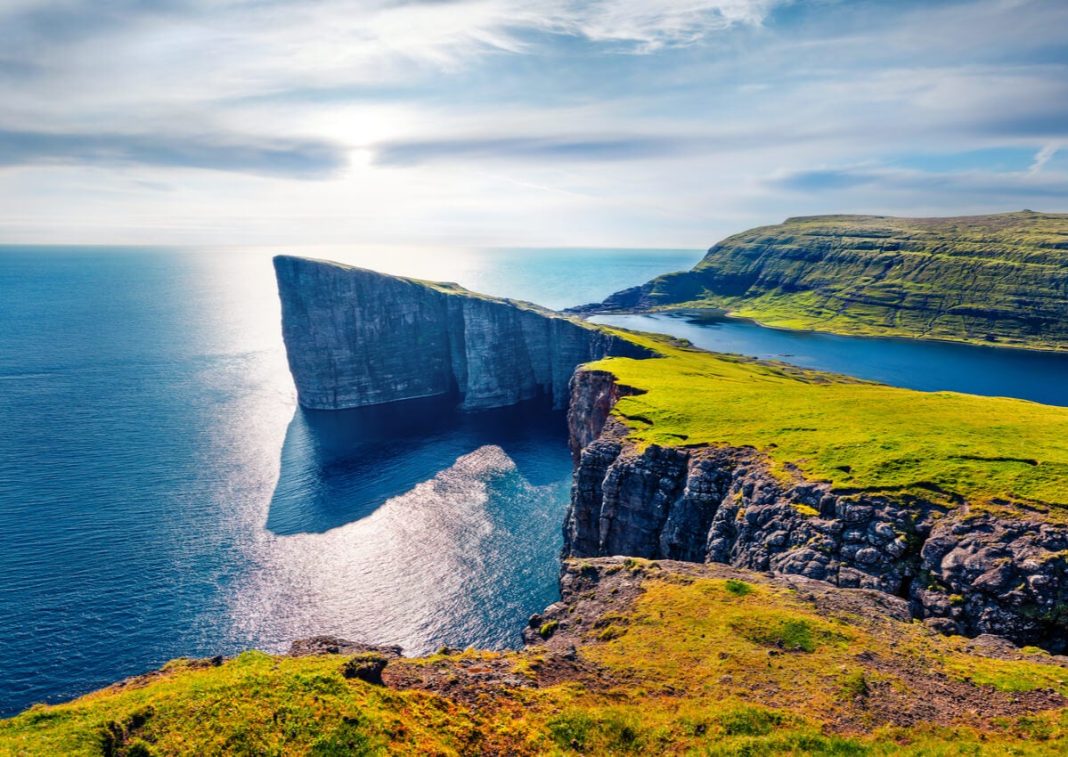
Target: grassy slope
[(999, 279), (707, 660), (855, 434)]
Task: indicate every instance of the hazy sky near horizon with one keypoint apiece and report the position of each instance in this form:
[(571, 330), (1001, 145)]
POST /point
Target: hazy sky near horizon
[(504, 122)]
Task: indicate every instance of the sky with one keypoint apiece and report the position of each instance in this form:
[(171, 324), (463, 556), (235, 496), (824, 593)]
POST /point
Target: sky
[(617, 123)]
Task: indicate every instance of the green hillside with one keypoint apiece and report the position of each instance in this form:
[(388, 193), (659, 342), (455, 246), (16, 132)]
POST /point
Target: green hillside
[(856, 434), (640, 658), (999, 279)]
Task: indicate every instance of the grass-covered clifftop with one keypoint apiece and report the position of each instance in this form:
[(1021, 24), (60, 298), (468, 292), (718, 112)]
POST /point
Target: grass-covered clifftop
[(998, 279), (855, 434), (640, 658)]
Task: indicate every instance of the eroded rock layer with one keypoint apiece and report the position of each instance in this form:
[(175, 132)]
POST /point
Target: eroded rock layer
[(999, 279), (962, 571), (355, 338)]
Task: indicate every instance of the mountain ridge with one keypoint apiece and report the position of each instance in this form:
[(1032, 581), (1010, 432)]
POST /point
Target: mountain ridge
[(997, 279)]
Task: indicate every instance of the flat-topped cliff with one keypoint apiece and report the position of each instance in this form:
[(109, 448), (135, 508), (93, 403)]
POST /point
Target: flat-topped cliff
[(998, 279), (956, 503), (783, 529), (356, 337)]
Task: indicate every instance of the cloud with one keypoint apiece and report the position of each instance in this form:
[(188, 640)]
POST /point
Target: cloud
[(647, 25), (1042, 157), (237, 153), (569, 149), (522, 121)]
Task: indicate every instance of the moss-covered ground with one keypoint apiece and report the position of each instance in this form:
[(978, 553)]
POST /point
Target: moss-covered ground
[(857, 435), (704, 660)]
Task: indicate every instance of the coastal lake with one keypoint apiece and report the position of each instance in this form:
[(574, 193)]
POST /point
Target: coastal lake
[(925, 365), (162, 495)]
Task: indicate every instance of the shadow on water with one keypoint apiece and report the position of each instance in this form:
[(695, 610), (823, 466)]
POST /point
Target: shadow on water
[(340, 466)]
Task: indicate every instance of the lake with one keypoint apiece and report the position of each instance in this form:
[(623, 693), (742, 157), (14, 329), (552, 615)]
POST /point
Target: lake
[(924, 365)]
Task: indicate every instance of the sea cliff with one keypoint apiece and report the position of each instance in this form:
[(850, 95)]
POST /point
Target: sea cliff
[(637, 657), (963, 568), (997, 279), (775, 531), (355, 337)]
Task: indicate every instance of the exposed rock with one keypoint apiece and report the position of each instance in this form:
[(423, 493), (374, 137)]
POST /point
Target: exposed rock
[(989, 575), (335, 645), (967, 573), (593, 395), (355, 338)]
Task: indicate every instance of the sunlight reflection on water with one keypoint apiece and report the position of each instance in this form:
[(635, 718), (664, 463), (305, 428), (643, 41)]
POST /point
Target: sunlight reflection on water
[(401, 575), (149, 417)]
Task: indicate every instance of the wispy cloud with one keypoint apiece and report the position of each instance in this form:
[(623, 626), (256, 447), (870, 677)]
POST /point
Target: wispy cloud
[(569, 149), (1042, 157), (624, 121), (313, 159), (1008, 186), (646, 24)]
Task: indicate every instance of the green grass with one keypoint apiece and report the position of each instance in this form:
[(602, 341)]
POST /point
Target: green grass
[(856, 435), (695, 673), (738, 588), (253, 704), (1011, 675), (986, 279)]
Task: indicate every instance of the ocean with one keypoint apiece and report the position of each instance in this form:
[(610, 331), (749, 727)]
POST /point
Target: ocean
[(161, 495)]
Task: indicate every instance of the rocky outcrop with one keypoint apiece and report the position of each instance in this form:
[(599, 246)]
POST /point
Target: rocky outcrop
[(355, 338), (961, 571), (317, 645)]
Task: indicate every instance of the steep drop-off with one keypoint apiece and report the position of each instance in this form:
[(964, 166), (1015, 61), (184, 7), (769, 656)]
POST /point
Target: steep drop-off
[(356, 337), (968, 563), (844, 509), (999, 279)]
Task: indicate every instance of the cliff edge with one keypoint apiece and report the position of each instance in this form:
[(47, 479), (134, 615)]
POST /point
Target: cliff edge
[(355, 337), (952, 502), (637, 657)]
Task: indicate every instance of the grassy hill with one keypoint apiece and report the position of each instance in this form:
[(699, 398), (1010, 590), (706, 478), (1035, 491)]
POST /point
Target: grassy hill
[(855, 434), (999, 279), (640, 658)]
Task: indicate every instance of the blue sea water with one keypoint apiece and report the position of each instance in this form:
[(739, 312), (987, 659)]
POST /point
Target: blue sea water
[(161, 495)]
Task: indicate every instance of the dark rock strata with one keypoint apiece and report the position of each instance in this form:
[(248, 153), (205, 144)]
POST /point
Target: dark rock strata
[(962, 571), (355, 338)]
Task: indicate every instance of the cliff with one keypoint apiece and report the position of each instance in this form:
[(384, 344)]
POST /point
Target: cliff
[(355, 337), (637, 657), (999, 279), (969, 554)]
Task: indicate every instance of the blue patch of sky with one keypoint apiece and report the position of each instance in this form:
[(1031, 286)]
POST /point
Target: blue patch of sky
[(1004, 159)]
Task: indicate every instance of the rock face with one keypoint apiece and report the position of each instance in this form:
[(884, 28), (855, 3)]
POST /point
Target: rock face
[(998, 278), (355, 338), (962, 571), (317, 645)]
